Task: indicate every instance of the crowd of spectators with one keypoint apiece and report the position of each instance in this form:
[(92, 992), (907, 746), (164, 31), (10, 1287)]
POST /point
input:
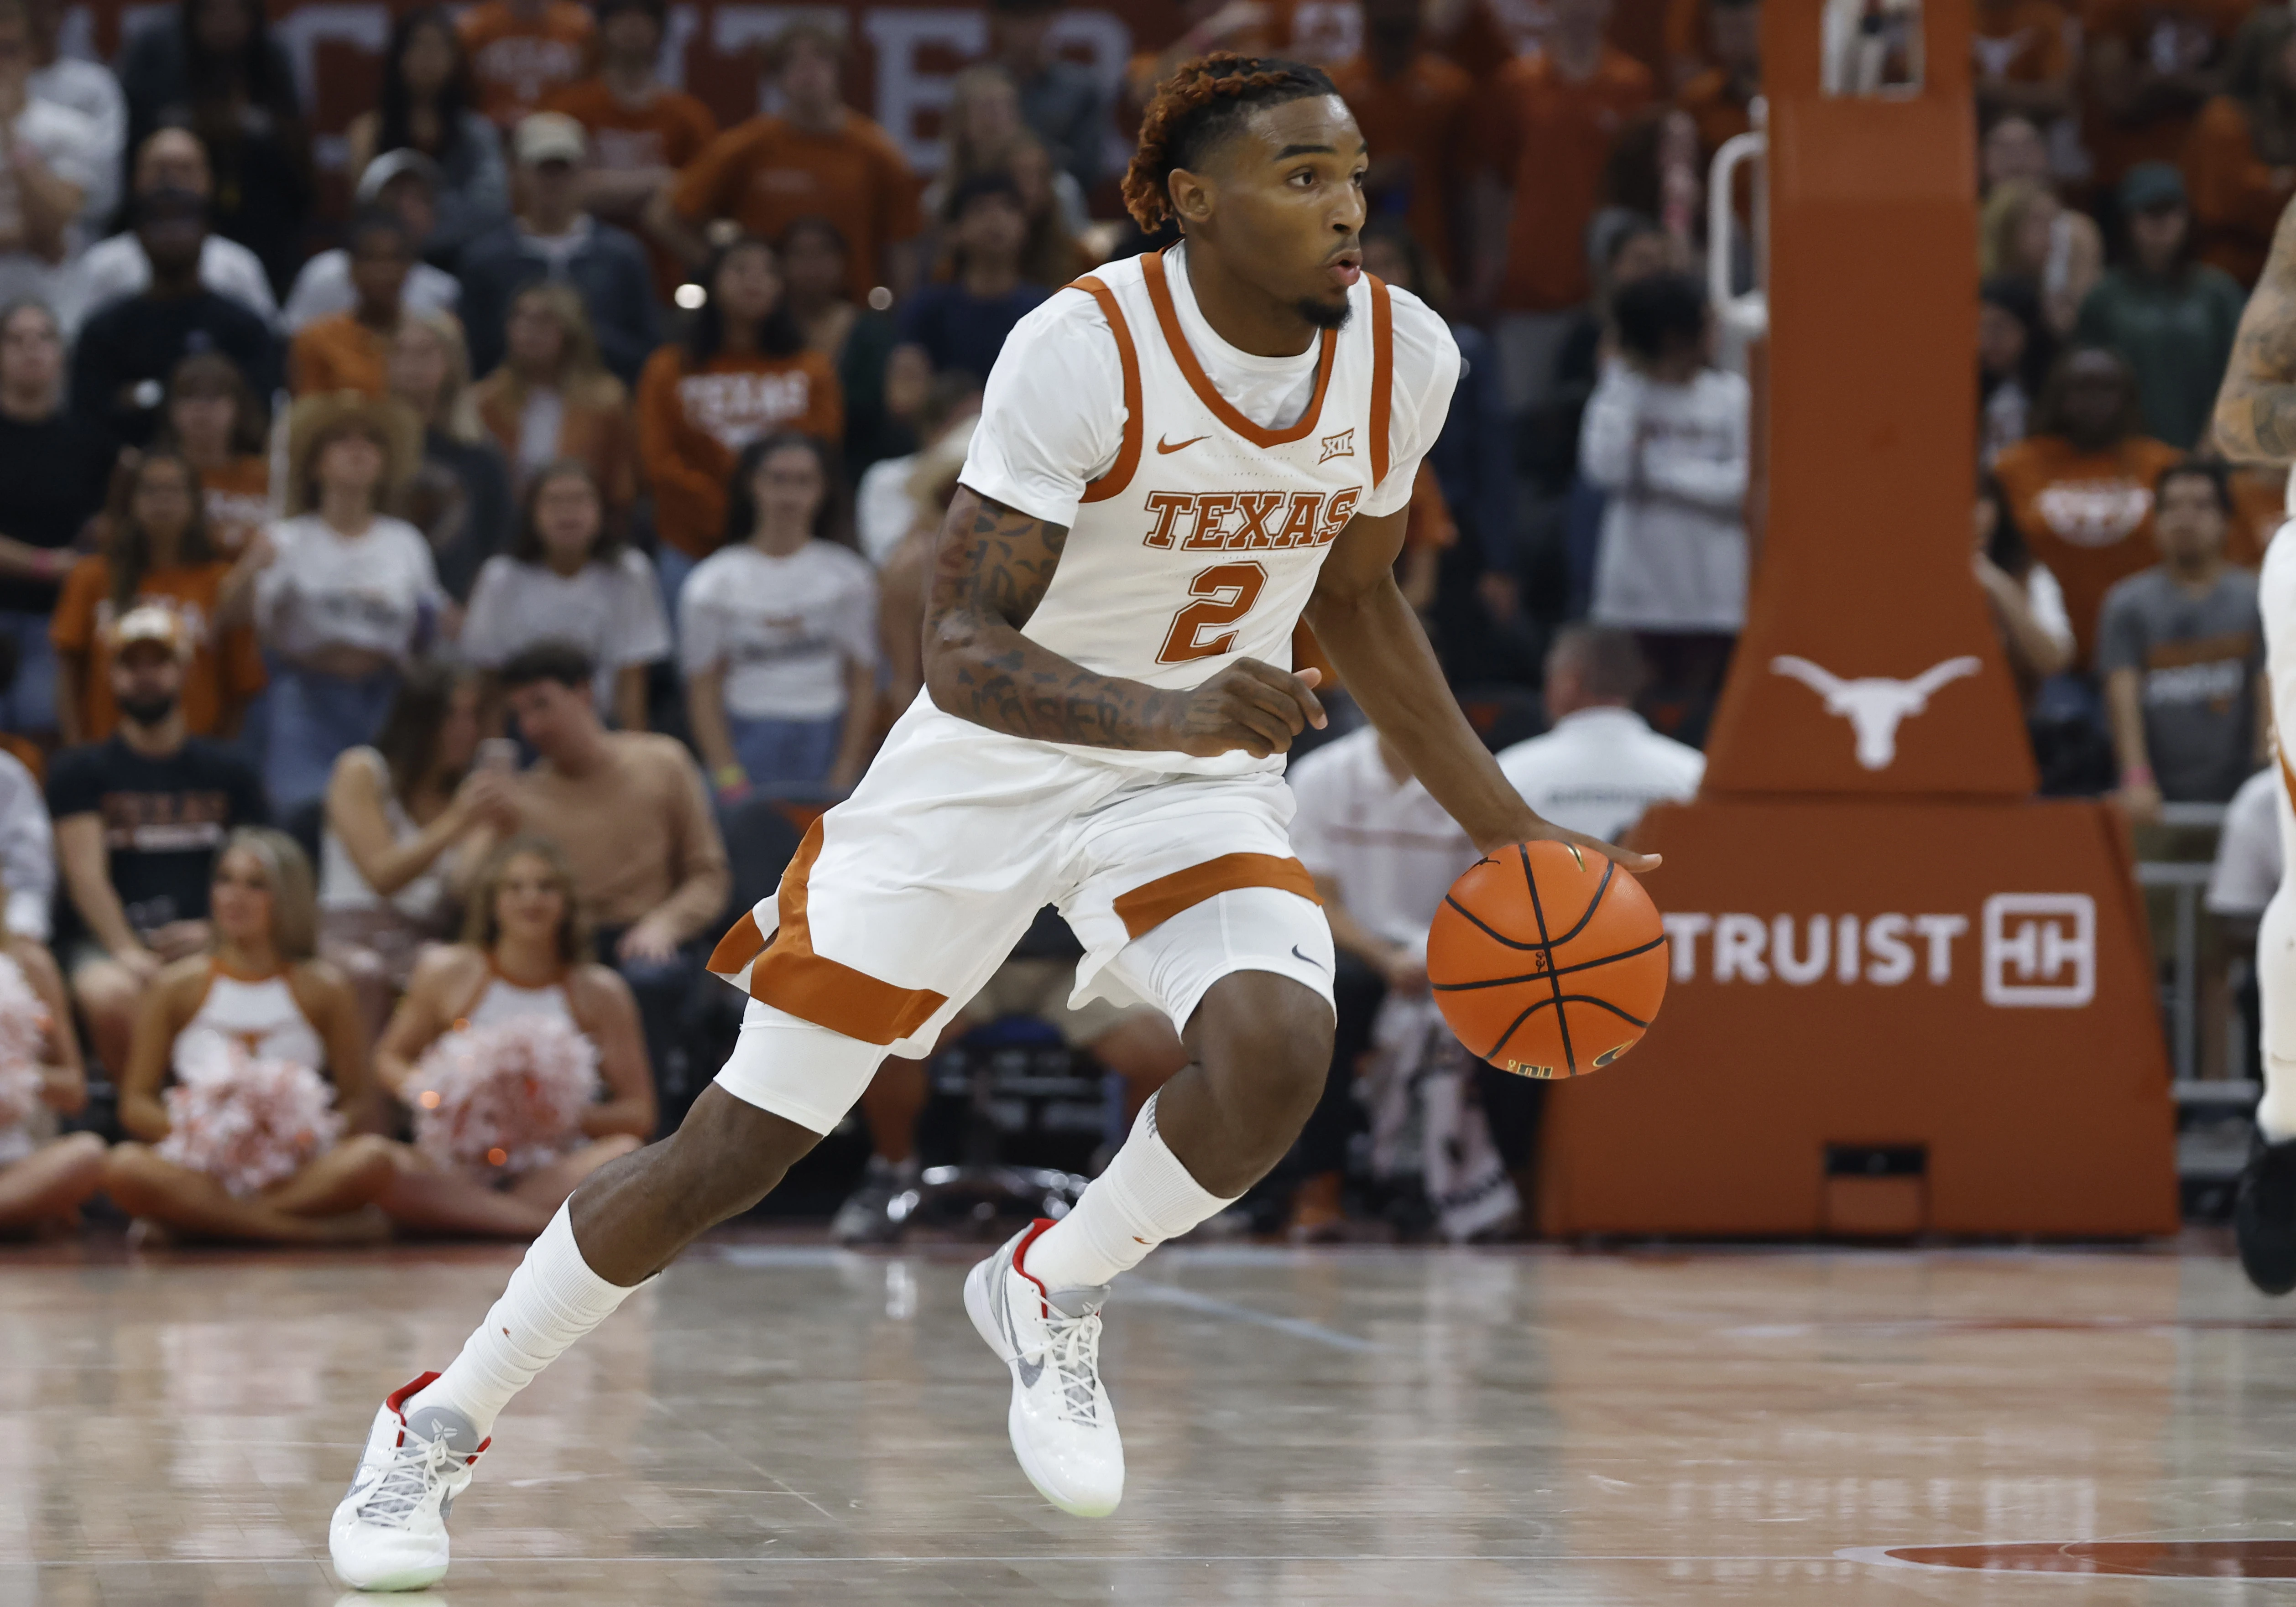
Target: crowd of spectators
[(505, 536)]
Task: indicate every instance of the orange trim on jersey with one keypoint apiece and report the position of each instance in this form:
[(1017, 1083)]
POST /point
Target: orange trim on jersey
[(1128, 456), (1149, 906), (1382, 373), (789, 976), (2287, 776), (1168, 317)]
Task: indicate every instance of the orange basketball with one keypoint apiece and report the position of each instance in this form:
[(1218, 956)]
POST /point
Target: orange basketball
[(1547, 961)]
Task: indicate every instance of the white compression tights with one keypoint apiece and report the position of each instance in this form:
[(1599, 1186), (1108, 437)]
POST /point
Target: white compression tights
[(2275, 943)]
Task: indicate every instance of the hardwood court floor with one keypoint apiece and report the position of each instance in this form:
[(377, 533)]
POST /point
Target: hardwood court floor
[(781, 1423)]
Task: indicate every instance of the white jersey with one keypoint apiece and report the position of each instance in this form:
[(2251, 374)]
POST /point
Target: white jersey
[(1195, 530)]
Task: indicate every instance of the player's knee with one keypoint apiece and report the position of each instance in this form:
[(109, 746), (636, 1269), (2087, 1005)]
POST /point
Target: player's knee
[(729, 1155), (1269, 1038)]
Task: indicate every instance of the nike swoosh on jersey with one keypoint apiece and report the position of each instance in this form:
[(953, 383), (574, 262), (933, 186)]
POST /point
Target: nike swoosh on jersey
[(1162, 446)]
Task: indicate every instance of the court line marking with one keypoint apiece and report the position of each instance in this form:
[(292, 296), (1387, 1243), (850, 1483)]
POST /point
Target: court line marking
[(1172, 1294), (1558, 1558)]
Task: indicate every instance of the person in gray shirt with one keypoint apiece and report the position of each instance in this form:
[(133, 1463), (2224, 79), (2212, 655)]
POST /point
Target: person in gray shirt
[(2181, 648)]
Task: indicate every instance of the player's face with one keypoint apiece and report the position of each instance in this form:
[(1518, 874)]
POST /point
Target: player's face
[(1286, 203)]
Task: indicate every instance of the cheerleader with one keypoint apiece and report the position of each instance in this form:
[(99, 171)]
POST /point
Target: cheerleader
[(247, 1143), (517, 1005), (42, 1178)]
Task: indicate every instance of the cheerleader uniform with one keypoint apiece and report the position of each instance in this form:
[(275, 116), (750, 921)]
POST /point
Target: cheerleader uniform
[(256, 1015)]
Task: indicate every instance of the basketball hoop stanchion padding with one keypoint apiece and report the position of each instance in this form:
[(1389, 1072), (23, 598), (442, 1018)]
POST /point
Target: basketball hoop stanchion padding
[(1906, 996)]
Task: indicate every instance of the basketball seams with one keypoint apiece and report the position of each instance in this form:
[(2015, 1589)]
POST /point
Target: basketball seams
[(1484, 927), (1546, 945), (1593, 904), (1557, 971)]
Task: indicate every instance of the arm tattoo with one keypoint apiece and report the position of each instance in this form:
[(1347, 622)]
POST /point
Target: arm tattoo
[(2255, 410), (991, 567)]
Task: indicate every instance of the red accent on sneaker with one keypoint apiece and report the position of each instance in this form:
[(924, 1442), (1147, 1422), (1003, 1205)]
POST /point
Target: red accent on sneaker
[(481, 1451), (1036, 1231), (398, 1398)]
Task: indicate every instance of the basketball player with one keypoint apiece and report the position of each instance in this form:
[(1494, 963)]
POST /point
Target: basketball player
[(1177, 459), (2256, 422)]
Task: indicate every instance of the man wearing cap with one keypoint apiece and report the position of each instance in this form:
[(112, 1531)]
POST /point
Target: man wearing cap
[(137, 821), (172, 159), (401, 181), (551, 237), (127, 352), (2172, 318)]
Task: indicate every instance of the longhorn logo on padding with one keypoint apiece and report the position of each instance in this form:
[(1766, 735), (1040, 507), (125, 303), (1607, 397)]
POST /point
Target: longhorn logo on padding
[(1874, 705)]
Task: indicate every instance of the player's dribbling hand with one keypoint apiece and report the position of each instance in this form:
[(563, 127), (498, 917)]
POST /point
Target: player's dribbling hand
[(1536, 830), (1250, 705)]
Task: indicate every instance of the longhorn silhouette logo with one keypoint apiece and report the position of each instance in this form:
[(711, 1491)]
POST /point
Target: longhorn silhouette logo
[(1874, 705)]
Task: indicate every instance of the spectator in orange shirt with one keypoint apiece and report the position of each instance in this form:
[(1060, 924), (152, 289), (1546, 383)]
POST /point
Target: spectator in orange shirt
[(744, 373), (1415, 111), (553, 399), (156, 553), (2024, 54), (2239, 158), (214, 423), (641, 130), (2153, 64), (1718, 99), (522, 50), (351, 351), (2080, 486), (425, 106), (1554, 117), (818, 158)]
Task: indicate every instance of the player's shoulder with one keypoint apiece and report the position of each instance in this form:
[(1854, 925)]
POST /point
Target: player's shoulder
[(1067, 328), (1424, 342)]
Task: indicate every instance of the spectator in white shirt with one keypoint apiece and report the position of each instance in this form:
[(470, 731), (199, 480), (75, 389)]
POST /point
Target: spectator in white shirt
[(884, 512), (2028, 605), (569, 578), (778, 633), (172, 159), (348, 593), (1601, 765), (53, 167), (86, 87), (404, 182), (1665, 436), (27, 851), (1383, 854)]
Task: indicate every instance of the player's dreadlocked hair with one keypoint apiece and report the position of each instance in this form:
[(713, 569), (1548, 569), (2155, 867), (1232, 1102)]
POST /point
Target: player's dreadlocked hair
[(1198, 106)]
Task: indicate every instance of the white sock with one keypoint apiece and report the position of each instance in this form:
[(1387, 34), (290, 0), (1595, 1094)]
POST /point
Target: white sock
[(553, 1300), (1144, 1197), (2275, 987)]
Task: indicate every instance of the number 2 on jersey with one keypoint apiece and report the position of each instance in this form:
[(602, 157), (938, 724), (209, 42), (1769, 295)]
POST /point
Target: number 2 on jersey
[(1224, 593)]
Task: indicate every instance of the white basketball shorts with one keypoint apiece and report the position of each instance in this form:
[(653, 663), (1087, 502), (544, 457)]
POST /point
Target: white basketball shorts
[(906, 898)]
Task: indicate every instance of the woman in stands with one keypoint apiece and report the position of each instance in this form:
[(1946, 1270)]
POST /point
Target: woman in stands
[(427, 105), (570, 577), (214, 422), (156, 553), (777, 634), (402, 815), (42, 1178), (702, 402), (525, 959), (261, 999), (553, 399), (350, 595), (459, 495)]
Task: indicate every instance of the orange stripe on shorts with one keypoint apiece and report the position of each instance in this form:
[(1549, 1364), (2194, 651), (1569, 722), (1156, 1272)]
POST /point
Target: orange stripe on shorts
[(790, 977), (1149, 905)]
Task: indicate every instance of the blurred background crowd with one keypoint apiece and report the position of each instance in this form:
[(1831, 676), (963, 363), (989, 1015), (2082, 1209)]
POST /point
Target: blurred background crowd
[(447, 585)]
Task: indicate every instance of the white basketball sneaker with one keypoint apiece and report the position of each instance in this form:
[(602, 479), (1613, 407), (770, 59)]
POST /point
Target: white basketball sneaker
[(390, 1530), (1063, 1429)]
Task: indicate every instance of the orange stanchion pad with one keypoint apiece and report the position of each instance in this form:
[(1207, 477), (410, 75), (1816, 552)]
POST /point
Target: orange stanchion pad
[(1885, 1018)]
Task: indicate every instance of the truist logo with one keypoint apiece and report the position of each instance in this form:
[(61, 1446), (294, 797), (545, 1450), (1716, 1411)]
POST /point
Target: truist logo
[(1236, 521), (1874, 705), (2035, 951), (1340, 446)]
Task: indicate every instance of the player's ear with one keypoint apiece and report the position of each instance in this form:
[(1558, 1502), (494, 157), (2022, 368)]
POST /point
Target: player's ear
[(1192, 195)]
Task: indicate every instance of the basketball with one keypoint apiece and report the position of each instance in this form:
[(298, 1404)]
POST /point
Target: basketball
[(1547, 960)]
